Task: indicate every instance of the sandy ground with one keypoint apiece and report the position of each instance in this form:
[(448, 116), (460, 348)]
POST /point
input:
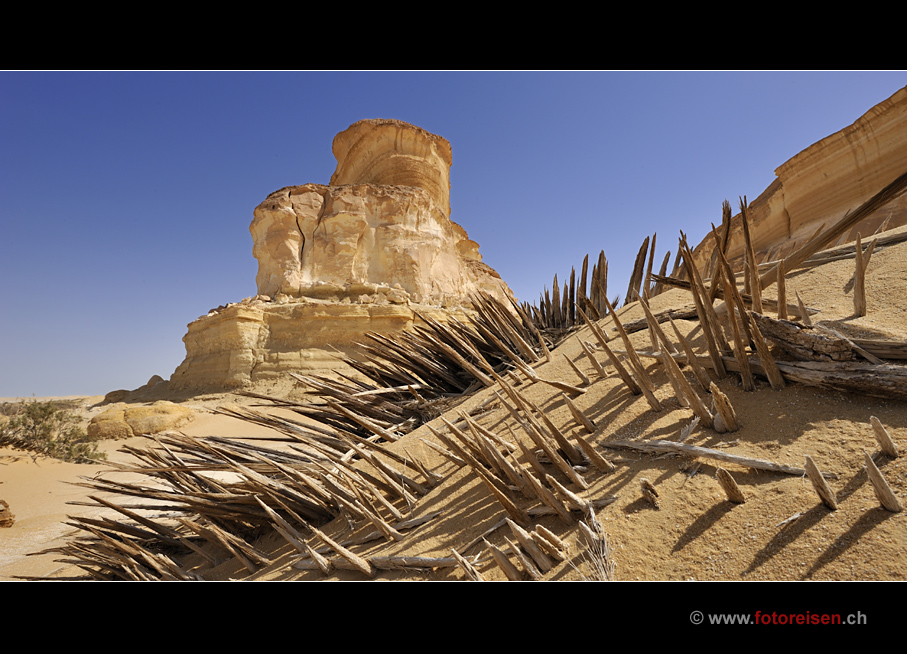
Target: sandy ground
[(781, 532)]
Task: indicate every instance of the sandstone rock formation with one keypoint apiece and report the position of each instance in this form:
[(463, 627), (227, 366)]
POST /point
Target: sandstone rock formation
[(122, 421), (360, 254), (826, 180), (384, 220)]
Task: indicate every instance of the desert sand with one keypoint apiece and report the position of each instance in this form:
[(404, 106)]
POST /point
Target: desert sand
[(781, 532)]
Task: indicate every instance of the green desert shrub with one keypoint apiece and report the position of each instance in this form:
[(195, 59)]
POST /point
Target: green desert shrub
[(49, 429)]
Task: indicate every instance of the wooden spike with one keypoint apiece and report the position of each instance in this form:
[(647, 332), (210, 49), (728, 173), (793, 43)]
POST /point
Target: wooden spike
[(662, 272), (826, 494), (499, 491), (859, 283), (542, 560), (589, 355), (357, 561), (534, 463), (701, 375), (621, 370), (526, 563), (682, 387), (510, 570), (601, 282), (556, 303), (675, 376), (886, 496), (724, 409), (721, 240), (635, 363), (550, 499), (866, 257), (804, 314), (443, 451), (782, 293), (571, 303), (658, 332), (755, 286), (597, 459), (579, 373), (775, 378), (647, 280), (571, 500), (581, 295), (636, 277), (550, 542), (702, 309), (746, 373), (883, 438), (578, 415), (468, 568), (731, 489)]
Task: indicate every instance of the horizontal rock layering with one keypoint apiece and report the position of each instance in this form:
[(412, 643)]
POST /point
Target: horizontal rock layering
[(364, 253), (823, 182)]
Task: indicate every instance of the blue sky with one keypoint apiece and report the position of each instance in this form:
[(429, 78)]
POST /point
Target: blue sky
[(126, 197)]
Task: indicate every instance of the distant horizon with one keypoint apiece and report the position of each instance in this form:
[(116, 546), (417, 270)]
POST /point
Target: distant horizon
[(126, 197)]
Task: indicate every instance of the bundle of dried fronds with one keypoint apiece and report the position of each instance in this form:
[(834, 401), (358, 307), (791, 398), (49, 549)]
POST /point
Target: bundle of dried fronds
[(205, 501)]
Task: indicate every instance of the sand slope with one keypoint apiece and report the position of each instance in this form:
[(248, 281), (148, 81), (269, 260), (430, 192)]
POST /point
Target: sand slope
[(781, 532)]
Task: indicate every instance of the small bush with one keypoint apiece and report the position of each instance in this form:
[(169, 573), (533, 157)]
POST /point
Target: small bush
[(46, 428)]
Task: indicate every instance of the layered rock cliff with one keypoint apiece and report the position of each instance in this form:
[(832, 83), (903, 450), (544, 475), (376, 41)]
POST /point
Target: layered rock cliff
[(364, 253), (825, 181)]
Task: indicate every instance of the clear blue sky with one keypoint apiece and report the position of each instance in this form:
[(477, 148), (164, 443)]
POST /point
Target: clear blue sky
[(126, 197)]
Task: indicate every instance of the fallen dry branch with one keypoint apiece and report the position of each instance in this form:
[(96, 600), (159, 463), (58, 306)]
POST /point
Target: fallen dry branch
[(663, 447)]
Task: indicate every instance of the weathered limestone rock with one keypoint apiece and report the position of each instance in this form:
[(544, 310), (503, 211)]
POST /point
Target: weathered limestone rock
[(824, 181), (391, 152), (383, 220), (364, 253), (7, 519), (243, 345), (123, 421)]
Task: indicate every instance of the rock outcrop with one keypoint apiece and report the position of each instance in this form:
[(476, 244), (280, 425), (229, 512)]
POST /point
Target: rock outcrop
[(364, 253), (123, 421), (825, 181)]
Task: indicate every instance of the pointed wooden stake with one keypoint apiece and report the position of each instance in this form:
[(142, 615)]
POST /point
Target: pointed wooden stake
[(775, 378), (701, 375), (510, 570), (726, 413), (530, 546), (826, 494), (710, 328), (884, 440), (859, 282), (578, 415), (804, 314), (548, 541), (635, 363), (357, 561), (731, 489), (755, 287), (883, 491), (579, 373), (621, 370), (595, 364), (782, 293), (468, 568), (597, 459)]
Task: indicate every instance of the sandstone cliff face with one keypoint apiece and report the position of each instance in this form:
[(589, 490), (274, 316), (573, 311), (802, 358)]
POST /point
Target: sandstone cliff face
[(361, 254), (826, 180)]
